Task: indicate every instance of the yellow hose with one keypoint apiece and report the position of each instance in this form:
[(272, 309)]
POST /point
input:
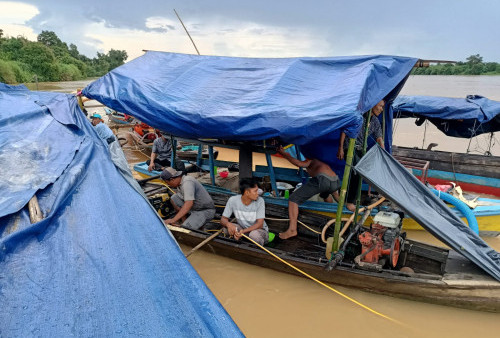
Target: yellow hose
[(323, 284), (349, 221)]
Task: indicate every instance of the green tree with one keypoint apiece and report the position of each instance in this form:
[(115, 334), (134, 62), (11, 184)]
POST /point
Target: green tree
[(474, 60), (116, 58), (49, 39), (41, 61)]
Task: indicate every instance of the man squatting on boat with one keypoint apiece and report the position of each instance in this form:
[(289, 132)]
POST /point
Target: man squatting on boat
[(161, 153), (375, 131), (191, 198), (249, 210), (323, 181)]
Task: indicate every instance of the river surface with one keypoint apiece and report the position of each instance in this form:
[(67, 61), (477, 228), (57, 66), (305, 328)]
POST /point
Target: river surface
[(266, 303)]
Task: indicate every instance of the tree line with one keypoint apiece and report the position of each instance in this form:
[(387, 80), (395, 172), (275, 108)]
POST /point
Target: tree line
[(473, 65), (50, 59)]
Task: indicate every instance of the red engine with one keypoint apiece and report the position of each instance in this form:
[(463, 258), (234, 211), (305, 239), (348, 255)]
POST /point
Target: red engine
[(377, 243)]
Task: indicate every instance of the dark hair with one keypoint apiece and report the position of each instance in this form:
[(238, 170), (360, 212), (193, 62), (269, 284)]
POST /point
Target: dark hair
[(247, 183)]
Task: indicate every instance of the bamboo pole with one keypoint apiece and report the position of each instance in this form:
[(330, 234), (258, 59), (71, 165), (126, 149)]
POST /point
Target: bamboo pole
[(363, 152), (343, 191), (182, 23)]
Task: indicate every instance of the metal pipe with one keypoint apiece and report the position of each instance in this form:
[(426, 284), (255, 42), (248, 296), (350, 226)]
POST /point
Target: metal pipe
[(343, 191)]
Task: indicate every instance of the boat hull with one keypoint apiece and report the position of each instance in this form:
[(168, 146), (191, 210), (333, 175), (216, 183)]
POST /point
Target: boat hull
[(474, 173), (483, 295)]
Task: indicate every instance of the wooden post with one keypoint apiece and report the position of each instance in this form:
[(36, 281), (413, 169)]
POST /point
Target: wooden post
[(212, 163), (199, 155), (343, 191), (174, 152), (271, 173), (245, 161)]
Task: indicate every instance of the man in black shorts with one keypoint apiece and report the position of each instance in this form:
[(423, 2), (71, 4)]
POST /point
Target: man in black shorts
[(323, 181)]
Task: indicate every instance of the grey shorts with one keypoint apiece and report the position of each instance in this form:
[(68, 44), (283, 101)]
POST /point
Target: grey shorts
[(261, 236), (196, 218), (320, 184)]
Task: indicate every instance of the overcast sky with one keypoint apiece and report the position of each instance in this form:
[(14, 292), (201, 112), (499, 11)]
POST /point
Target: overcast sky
[(447, 30)]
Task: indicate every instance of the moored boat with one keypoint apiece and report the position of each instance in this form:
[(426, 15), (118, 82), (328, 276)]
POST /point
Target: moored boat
[(454, 117), (423, 272), (252, 104)]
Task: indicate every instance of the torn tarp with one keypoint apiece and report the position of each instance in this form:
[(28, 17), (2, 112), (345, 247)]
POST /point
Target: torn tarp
[(395, 182)]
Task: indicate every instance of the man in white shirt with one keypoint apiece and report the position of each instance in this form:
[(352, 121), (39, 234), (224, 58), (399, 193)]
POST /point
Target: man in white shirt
[(249, 210)]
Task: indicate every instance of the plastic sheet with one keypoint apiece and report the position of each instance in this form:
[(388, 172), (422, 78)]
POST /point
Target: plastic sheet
[(100, 263), (395, 182), (305, 101)]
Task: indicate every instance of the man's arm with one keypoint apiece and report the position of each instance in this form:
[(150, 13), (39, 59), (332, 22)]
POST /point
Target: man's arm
[(152, 163), (231, 227), (292, 160), (340, 152), (181, 213), (381, 142)]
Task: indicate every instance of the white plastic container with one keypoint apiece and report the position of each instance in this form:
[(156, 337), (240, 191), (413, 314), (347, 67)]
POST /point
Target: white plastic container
[(387, 219)]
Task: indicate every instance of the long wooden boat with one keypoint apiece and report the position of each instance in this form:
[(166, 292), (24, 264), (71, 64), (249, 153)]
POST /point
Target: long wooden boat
[(423, 272), (487, 216), (474, 173)]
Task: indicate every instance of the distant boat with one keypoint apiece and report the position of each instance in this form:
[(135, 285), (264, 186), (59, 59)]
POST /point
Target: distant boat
[(455, 117)]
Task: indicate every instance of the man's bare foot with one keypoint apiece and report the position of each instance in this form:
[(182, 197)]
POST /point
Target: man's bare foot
[(288, 234), (351, 207)]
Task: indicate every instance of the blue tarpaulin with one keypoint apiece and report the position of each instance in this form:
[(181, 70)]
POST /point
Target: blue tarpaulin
[(471, 116), (394, 181), (100, 263), (305, 101)]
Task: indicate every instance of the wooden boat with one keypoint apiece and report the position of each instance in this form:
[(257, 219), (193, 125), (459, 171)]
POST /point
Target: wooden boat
[(119, 118), (487, 215), (474, 173), (455, 117), (433, 274)]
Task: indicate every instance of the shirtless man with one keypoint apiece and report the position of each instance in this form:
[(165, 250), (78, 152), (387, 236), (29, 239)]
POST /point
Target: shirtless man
[(323, 181)]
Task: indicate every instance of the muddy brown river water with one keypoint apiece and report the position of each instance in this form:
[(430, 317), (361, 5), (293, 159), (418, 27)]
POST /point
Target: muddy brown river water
[(266, 303)]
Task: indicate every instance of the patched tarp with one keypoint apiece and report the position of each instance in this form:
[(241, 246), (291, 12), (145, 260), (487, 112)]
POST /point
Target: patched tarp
[(305, 101), (395, 182), (101, 262), (467, 117)]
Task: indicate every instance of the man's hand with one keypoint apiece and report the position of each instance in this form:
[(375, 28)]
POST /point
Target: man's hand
[(232, 229), (171, 221), (150, 167), (238, 235), (340, 153), (281, 150)]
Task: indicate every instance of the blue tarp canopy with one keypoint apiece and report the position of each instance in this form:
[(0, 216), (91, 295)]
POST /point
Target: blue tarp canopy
[(100, 263), (468, 117), (305, 101), (394, 181)]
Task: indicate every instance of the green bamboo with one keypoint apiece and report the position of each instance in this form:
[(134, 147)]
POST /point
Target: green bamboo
[(343, 191), (363, 152)]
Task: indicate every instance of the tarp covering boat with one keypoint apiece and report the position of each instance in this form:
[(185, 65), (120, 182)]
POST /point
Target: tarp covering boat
[(305, 101), (468, 117), (100, 263), (394, 181)]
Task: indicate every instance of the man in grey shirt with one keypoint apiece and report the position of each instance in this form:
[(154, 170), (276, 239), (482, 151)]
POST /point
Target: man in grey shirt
[(249, 210), (191, 198), (374, 131), (161, 153)]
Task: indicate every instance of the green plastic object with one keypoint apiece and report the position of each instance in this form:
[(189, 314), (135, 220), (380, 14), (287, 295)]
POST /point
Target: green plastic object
[(271, 237)]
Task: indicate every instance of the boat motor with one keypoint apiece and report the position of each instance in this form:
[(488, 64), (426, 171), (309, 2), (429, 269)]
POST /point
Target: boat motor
[(381, 241), (161, 203)]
